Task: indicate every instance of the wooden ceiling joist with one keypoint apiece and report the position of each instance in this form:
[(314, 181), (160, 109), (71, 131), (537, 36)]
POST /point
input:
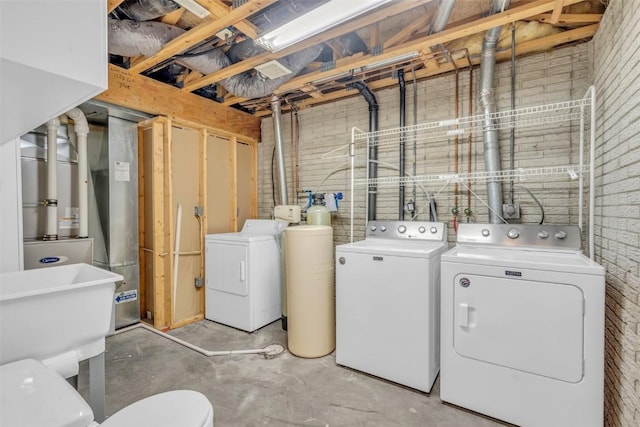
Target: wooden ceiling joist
[(423, 44), (208, 28), (239, 67), (218, 9), (557, 11), (144, 94), (112, 4), (524, 48), (567, 18), (411, 29)]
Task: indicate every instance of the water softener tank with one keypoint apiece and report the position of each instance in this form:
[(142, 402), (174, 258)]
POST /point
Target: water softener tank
[(310, 290), (318, 213)]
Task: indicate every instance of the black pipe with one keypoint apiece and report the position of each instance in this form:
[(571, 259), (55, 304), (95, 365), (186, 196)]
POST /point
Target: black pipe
[(403, 105), (373, 147)]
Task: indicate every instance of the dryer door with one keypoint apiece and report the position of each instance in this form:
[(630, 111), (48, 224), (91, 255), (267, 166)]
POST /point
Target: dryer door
[(535, 327), (227, 268)]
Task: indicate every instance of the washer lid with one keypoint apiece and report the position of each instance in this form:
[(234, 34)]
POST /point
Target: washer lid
[(32, 395), (185, 408), (406, 248), (546, 260)]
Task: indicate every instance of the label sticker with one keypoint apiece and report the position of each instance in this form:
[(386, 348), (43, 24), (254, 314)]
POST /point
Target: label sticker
[(126, 296), (513, 273), (122, 172), (52, 259), (71, 218)]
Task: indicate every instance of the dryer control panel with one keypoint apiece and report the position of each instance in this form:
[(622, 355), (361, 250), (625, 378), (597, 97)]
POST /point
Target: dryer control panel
[(410, 230), (565, 237)]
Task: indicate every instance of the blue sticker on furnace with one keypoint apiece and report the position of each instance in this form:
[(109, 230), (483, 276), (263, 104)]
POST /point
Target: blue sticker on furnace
[(49, 260), (126, 296)]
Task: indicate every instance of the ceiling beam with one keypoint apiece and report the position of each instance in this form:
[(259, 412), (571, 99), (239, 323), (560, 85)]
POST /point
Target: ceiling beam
[(112, 4), (557, 11), (239, 67), (424, 44), (524, 48), (208, 28), (219, 9), (569, 18), (141, 93), (411, 29)]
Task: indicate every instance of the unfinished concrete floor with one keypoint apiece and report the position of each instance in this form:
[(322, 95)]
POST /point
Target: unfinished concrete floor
[(249, 390)]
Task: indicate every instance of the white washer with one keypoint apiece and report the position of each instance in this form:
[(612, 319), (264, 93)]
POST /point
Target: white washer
[(387, 302), (523, 325), (243, 275)]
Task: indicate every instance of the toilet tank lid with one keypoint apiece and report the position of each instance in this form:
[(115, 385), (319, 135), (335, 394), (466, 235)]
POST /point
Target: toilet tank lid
[(33, 395), (184, 408)]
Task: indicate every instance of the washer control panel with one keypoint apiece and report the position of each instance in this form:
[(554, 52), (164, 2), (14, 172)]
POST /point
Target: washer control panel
[(414, 230), (521, 235)]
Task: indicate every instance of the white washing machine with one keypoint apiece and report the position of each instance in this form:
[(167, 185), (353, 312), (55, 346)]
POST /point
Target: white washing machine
[(243, 275), (523, 325), (387, 302)]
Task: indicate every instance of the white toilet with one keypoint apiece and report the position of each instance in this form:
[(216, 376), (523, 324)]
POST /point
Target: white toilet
[(32, 395)]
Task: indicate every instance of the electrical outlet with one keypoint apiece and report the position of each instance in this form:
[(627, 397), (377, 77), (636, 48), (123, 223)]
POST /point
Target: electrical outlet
[(198, 211), (198, 282), (511, 211)]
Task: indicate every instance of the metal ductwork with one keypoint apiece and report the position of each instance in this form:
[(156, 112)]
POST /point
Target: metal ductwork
[(144, 10), (131, 38), (442, 16), (277, 134), (373, 148), (487, 101)]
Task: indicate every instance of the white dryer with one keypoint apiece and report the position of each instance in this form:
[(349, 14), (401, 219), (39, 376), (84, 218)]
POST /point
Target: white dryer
[(243, 275), (387, 302), (523, 325)]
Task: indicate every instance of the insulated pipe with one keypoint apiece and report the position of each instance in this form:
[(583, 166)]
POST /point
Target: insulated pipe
[(277, 134), (403, 105), (51, 201), (373, 148), (487, 101), (442, 16), (81, 128)]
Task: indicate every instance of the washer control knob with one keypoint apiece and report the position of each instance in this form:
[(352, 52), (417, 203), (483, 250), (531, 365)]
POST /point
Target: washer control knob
[(560, 235), (421, 229), (543, 234), (383, 228), (433, 230), (513, 234), (485, 232), (402, 229), (373, 228)]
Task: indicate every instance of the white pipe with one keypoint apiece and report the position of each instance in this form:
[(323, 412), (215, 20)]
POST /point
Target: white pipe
[(207, 353), (592, 172), (176, 260), (81, 128), (52, 180)]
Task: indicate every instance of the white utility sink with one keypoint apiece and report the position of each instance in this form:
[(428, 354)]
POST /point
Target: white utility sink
[(55, 313)]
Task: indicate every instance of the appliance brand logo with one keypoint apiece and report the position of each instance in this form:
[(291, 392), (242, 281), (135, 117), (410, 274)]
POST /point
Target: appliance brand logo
[(513, 273), (52, 259), (378, 258)]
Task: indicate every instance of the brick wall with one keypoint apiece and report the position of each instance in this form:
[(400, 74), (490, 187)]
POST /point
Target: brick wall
[(616, 53), (540, 79)]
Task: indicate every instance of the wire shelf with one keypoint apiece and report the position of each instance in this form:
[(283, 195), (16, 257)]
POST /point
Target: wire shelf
[(518, 175), (520, 118)]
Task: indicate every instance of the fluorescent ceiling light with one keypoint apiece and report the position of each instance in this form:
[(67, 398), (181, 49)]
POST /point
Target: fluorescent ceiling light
[(317, 20)]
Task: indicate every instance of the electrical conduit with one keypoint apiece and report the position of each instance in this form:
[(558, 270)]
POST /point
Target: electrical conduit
[(401, 169)]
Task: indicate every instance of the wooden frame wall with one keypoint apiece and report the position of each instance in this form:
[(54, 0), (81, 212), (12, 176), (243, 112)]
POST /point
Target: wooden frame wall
[(158, 172)]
